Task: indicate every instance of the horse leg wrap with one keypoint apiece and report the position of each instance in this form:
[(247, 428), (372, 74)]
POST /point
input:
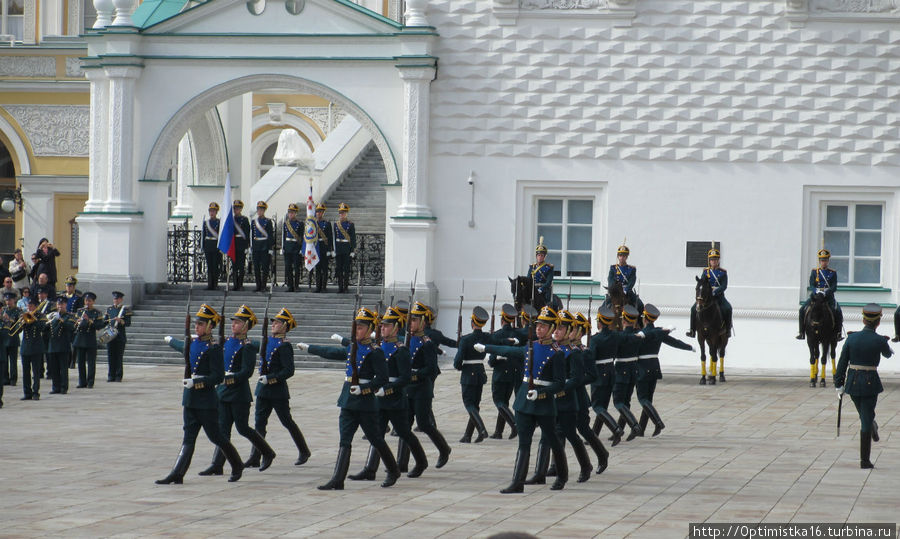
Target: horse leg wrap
[(814, 371), (722, 364), (703, 368), (712, 367)]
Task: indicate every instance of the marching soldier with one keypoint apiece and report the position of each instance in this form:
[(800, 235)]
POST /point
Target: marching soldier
[(59, 348), (823, 280), (542, 273), (211, 247), (272, 390), (344, 247), (626, 274), (241, 243), (234, 392), (263, 235), (325, 243), (535, 405), (506, 375), (291, 239), (648, 367), (118, 316), (10, 358), (73, 297), (583, 424), (603, 346), (357, 399), (88, 320), (718, 280), (33, 349), (199, 399), (472, 377), (857, 376), (626, 373)]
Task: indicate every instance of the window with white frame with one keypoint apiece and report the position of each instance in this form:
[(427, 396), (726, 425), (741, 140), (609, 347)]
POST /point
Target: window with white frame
[(567, 227), (853, 232)]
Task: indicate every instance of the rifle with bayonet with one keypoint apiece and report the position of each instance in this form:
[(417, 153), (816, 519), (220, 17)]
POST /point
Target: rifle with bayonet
[(493, 306), (529, 356), (264, 341), (354, 342), (187, 334), (459, 319), (379, 313), (412, 294)]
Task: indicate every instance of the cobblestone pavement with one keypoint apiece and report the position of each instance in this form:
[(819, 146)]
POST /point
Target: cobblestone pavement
[(757, 449)]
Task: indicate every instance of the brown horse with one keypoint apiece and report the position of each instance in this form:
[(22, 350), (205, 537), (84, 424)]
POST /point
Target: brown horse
[(820, 335), (615, 296), (711, 331)]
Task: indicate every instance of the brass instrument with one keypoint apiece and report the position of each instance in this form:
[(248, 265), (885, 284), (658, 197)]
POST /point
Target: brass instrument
[(27, 317)]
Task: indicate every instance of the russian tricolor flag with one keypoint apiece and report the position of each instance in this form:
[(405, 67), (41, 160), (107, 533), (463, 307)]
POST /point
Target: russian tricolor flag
[(226, 227)]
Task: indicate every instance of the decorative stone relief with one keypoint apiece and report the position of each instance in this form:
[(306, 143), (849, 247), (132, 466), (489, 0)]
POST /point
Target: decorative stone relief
[(54, 130), (856, 6), (73, 67), (563, 4), (276, 111), (28, 66), (324, 117), (801, 11), (620, 12)]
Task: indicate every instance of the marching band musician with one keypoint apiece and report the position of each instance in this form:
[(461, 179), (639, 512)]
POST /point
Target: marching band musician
[(10, 356), (291, 238), (88, 320), (59, 346), (199, 399), (46, 305), (119, 317), (359, 408), (241, 243), (33, 349), (211, 247), (73, 297), (263, 235), (344, 247), (325, 243)]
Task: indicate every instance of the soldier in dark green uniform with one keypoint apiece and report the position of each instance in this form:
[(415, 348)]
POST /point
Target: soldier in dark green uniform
[(602, 352), (199, 399), (535, 405), (325, 244), (33, 349), (291, 239), (263, 234), (506, 375), (472, 377), (59, 349), (210, 234), (393, 404), (366, 375), (344, 247), (241, 243), (119, 316), (10, 355), (857, 376), (626, 372), (583, 424), (87, 321), (648, 367), (234, 392), (276, 366)]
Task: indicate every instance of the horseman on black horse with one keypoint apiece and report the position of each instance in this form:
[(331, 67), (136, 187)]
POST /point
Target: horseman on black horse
[(718, 280), (823, 280), (624, 275)]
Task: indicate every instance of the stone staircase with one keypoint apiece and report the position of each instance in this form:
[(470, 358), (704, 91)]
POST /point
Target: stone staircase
[(317, 315), (362, 189)]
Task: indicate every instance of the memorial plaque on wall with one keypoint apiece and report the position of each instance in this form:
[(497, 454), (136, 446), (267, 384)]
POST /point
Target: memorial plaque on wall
[(695, 253)]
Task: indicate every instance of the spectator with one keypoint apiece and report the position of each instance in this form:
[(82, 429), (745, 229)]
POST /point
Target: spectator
[(8, 287), (23, 301), (48, 253), (4, 272), (18, 270), (42, 285), (35, 268)]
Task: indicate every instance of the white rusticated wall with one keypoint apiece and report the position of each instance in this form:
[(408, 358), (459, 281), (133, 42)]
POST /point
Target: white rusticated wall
[(703, 120)]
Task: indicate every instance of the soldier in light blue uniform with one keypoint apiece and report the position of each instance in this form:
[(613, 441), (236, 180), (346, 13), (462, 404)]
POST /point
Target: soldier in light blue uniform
[(199, 399), (263, 235), (291, 239), (625, 274), (823, 280), (718, 280), (857, 376), (210, 234), (542, 273)]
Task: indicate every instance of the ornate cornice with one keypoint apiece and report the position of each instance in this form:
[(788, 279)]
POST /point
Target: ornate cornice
[(54, 130)]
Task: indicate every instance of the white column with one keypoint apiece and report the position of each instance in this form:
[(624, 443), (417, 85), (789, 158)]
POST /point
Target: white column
[(415, 13), (417, 111), (120, 139), (124, 9), (98, 144), (185, 177)]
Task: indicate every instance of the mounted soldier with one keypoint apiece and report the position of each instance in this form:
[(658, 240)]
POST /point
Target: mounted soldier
[(823, 280), (718, 280), (541, 274), (625, 275)]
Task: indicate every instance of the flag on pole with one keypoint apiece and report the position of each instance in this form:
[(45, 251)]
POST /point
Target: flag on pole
[(310, 235), (226, 227)]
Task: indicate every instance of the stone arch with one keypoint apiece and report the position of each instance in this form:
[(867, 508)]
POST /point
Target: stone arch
[(167, 141), (16, 147)]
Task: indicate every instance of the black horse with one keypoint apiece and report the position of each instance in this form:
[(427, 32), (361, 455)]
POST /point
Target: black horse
[(821, 336), (615, 296), (711, 329), (522, 288)]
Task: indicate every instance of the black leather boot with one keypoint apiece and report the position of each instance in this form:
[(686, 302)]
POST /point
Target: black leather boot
[(300, 442), (418, 453), (181, 465), (658, 424), (479, 426), (616, 428), (540, 466), (636, 429), (511, 419), (562, 468), (234, 460), (875, 437), (519, 472), (443, 447), (865, 450), (467, 435), (370, 469), (260, 446), (340, 471), (600, 451), (644, 419), (218, 464), (393, 471), (584, 462), (253, 460), (498, 428), (598, 424), (403, 455)]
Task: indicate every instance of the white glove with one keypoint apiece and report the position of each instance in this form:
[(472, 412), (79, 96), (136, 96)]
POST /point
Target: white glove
[(840, 390), (478, 347), (380, 392), (503, 358), (336, 338), (302, 346), (330, 253), (532, 395), (168, 339), (372, 335), (229, 373), (263, 380), (281, 251), (271, 252), (353, 254), (670, 329), (640, 335), (514, 341), (693, 349), (188, 383), (355, 390), (195, 377)]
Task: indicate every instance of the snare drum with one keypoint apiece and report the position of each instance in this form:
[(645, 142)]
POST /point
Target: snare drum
[(107, 334)]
